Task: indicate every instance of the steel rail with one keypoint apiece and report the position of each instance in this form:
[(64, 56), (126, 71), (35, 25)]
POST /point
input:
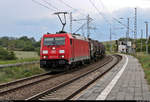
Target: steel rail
[(91, 82), (39, 95), (13, 83)]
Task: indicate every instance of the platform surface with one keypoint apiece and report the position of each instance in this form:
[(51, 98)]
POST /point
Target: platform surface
[(123, 82)]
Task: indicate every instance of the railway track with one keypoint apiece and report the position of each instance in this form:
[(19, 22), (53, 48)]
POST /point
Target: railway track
[(14, 85), (33, 86), (21, 83), (60, 92)]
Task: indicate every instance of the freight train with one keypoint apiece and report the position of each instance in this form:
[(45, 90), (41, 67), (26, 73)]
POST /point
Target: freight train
[(63, 50)]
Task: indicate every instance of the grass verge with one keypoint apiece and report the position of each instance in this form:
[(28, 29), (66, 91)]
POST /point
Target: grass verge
[(108, 52), (14, 73), (144, 59), (26, 54), (19, 60)]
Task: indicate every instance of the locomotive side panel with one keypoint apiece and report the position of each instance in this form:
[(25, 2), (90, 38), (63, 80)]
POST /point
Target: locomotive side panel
[(80, 49)]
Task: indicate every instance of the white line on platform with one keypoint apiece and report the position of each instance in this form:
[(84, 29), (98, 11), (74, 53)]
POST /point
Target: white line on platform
[(109, 87)]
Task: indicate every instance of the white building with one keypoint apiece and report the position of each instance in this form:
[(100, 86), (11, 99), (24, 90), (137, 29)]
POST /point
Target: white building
[(122, 48), (125, 47)]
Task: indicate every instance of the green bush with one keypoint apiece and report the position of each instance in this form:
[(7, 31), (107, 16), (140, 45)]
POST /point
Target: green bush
[(28, 48), (13, 73), (6, 55), (38, 50), (19, 44)]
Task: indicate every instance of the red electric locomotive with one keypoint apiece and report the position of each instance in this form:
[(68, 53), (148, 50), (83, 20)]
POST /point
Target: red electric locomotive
[(63, 49)]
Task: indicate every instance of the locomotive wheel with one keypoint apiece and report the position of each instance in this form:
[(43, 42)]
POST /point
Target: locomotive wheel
[(67, 67), (95, 60)]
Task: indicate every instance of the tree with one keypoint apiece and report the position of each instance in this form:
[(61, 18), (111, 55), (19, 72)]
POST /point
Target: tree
[(19, 44), (6, 55)]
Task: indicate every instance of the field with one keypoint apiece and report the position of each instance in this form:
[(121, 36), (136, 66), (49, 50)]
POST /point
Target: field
[(23, 56), (26, 54), (108, 42), (13, 73)]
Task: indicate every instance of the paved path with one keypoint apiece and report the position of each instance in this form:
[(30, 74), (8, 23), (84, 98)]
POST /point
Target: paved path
[(124, 82)]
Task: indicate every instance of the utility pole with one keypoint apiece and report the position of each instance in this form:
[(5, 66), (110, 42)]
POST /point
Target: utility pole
[(127, 36), (82, 29), (110, 39), (88, 26), (135, 29), (141, 38), (71, 22), (88, 19), (146, 36)]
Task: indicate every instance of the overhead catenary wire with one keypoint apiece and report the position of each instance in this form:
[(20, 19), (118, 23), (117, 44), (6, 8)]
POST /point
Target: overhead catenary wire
[(83, 25), (102, 4), (80, 27), (99, 32), (123, 24), (43, 5), (50, 4), (99, 26), (105, 7), (64, 2), (53, 7), (105, 17), (67, 5), (115, 19), (100, 13)]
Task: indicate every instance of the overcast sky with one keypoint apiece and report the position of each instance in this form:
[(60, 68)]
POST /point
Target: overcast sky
[(27, 18)]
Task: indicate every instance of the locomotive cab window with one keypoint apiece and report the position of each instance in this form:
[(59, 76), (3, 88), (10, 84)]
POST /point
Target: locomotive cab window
[(60, 40), (54, 41)]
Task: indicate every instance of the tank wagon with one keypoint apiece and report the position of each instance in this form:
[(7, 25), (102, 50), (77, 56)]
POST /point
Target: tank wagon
[(62, 50), (97, 49)]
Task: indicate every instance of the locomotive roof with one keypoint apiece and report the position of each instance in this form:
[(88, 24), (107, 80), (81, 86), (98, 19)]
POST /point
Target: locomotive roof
[(57, 35), (75, 36)]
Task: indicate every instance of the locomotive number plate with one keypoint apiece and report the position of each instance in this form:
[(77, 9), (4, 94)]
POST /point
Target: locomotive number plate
[(53, 51)]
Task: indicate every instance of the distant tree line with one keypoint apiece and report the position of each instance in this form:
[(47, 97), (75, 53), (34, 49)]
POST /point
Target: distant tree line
[(6, 55), (10, 44), (19, 44), (138, 44)]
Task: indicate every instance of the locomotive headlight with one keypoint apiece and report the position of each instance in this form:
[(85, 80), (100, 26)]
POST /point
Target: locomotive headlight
[(45, 57), (45, 51), (61, 51), (62, 56), (53, 48)]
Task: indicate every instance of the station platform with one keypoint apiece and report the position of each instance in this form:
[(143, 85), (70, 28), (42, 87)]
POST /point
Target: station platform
[(123, 82)]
